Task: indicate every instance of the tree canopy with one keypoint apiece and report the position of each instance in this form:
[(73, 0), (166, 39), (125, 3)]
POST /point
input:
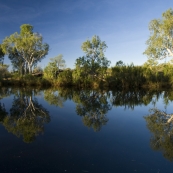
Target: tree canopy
[(59, 61), (120, 63), (94, 64), (160, 42), (53, 68), (25, 49)]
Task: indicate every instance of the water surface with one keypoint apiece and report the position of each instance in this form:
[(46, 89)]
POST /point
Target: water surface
[(79, 131)]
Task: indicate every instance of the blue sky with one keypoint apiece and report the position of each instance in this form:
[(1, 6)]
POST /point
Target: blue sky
[(65, 24)]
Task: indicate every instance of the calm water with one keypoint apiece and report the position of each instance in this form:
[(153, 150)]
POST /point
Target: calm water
[(85, 131)]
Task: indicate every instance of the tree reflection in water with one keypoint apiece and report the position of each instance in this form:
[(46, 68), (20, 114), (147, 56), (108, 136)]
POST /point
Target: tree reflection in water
[(93, 106), (53, 98), (3, 112), (130, 99), (4, 92), (27, 116), (161, 125)]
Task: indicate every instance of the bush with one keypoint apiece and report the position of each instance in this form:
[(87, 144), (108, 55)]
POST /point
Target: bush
[(65, 78)]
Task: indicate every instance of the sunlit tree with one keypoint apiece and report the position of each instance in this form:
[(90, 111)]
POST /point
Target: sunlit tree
[(160, 42), (59, 61), (94, 64), (25, 48)]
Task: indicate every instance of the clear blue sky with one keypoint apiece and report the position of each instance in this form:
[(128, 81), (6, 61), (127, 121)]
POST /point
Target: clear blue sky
[(65, 24)]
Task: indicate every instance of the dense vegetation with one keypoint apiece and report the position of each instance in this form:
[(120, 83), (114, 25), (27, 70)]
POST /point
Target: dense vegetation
[(26, 49)]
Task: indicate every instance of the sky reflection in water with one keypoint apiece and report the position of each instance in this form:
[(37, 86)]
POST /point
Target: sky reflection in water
[(85, 131)]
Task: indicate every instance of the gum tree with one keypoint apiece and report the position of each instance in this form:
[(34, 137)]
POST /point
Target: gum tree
[(94, 64), (160, 42), (53, 68), (59, 61), (25, 47)]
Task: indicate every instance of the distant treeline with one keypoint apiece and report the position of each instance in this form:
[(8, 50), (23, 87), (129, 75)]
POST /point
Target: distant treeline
[(119, 76)]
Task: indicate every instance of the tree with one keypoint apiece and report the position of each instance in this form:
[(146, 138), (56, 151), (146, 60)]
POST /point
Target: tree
[(160, 42), (1, 55), (65, 78), (17, 62), (120, 63), (50, 70), (25, 48), (4, 71), (53, 68), (37, 69), (59, 61), (94, 63)]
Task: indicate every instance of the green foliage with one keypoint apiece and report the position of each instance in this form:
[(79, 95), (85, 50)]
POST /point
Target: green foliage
[(26, 80), (51, 70), (65, 78), (93, 65), (4, 73), (81, 75), (94, 48), (129, 76), (1, 55), (59, 61), (25, 49), (160, 42), (120, 63), (26, 29)]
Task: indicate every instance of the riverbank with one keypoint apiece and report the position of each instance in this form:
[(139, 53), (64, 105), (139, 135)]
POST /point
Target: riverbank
[(42, 82)]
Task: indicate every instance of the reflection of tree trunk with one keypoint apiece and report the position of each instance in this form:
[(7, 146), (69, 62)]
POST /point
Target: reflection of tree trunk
[(170, 119), (32, 108), (161, 125)]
